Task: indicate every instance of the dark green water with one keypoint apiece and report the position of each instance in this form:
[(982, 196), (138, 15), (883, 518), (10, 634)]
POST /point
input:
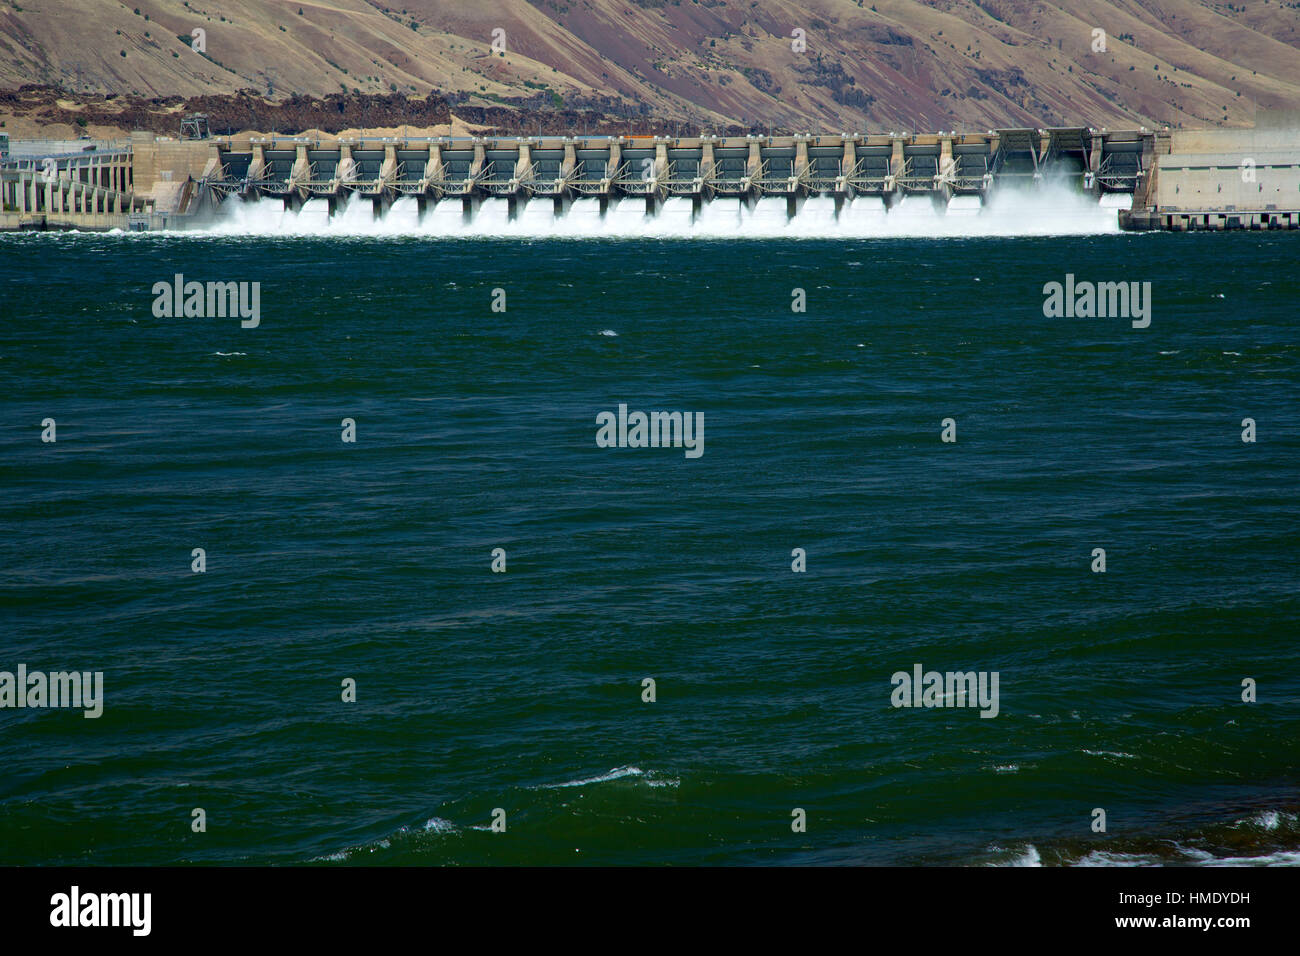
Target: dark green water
[(522, 691)]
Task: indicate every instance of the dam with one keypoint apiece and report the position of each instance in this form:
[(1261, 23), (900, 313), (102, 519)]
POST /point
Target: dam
[(687, 180), (832, 184)]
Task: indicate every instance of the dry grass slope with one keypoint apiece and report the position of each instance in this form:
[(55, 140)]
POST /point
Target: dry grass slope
[(875, 64)]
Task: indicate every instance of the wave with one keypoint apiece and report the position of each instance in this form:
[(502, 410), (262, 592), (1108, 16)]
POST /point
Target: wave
[(1267, 837), (1176, 856), (1023, 856), (434, 825), (1041, 211), (343, 856), (1189, 857), (618, 773), (1029, 857), (432, 838), (1270, 820)]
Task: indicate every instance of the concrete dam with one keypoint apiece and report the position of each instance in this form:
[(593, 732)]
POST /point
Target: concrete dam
[(654, 184), (1009, 181)]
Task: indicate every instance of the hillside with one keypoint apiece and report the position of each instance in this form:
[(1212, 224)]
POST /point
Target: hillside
[(868, 64)]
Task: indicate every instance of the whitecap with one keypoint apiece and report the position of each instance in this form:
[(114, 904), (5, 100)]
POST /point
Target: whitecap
[(1029, 857), (618, 773), (1268, 820), (1103, 858), (651, 778), (1280, 858)]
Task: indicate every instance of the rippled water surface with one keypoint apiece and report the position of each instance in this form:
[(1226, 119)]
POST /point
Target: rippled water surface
[(523, 691)]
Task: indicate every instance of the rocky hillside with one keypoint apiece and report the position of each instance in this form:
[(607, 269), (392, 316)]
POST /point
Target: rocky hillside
[(788, 64)]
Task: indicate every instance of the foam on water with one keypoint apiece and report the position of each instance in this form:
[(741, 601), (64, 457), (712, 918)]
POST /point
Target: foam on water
[(1280, 858), (768, 217), (618, 773), (1027, 857), (675, 217), (1269, 820), (1110, 753), (444, 218), (1043, 210), (818, 214), (1103, 858)]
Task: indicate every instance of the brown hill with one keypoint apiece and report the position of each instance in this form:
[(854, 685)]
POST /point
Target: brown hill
[(868, 64)]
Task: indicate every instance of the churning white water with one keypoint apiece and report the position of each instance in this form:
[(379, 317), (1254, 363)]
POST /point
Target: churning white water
[(1043, 210)]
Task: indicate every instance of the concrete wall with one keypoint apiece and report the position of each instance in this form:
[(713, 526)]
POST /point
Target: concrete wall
[(159, 159), (1233, 170), (1244, 142), (1258, 181)]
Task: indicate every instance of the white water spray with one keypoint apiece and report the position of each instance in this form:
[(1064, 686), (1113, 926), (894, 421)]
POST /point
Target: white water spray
[(1043, 210)]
